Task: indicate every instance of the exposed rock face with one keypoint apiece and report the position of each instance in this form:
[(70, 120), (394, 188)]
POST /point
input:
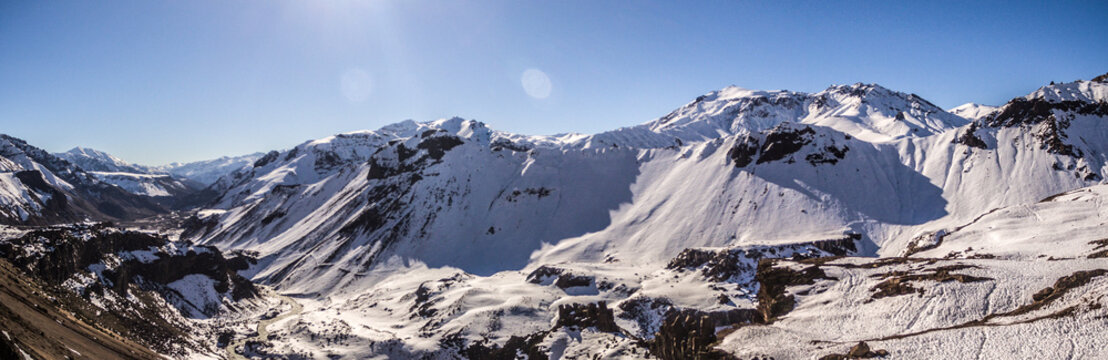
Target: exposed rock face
[(740, 262), (511, 350), (690, 334), (63, 253), (1049, 120), (169, 268), (744, 151), (596, 315), (859, 351), (900, 283), (139, 285), (546, 275), (1063, 285), (772, 299), (57, 202), (1021, 111), (969, 137), (267, 159), (782, 142), (56, 255)]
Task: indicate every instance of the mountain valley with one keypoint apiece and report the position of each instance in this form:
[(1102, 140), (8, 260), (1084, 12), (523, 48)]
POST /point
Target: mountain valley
[(854, 222)]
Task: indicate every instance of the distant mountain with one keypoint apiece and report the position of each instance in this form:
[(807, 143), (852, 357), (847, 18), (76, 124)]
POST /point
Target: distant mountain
[(207, 172), (136, 179), (96, 160)]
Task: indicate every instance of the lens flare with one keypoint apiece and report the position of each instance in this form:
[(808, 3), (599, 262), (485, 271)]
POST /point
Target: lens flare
[(536, 83), (356, 85)]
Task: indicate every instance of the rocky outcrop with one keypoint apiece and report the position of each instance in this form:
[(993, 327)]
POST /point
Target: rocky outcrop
[(900, 282), (58, 254), (267, 159), (859, 351), (690, 334), (592, 315), (773, 301), (515, 346), (781, 143), (740, 262), (562, 278), (744, 151), (969, 137)]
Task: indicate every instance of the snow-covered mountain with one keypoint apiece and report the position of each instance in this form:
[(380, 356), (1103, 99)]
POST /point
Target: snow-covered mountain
[(136, 179), (37, 187), (207, 172), (461, 210), (753, 167), (850, 223), (96, 160), (867, 111)]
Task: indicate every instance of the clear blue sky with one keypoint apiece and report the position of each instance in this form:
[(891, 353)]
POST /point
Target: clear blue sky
[(155, 82)]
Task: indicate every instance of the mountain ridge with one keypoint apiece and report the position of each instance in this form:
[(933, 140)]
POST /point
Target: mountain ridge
[(377, 178)]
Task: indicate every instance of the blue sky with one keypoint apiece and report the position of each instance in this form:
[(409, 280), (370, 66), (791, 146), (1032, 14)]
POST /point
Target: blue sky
[(155, 82)]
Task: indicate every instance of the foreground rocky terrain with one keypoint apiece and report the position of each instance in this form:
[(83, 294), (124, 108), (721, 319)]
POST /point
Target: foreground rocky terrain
[(857, 222)]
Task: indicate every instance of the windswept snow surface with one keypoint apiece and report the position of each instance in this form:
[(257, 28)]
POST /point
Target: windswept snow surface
[(424, 238)]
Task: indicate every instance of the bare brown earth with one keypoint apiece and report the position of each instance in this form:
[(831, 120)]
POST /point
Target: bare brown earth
[(35, 323)]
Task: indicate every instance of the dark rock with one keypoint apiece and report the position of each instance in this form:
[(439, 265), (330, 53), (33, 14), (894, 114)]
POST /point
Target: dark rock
[(501, 144), (690, 334), (899, 282), (269, 157), (743, 152), (527, 345), (730, 264), (783, 141), (276, 214), (830, 155), (596, 315), (859, 351), (969, 137), (558, 277), (438, 146), (772, 299)]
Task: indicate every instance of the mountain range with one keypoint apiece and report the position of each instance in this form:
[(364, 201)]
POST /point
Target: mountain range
[(853, 222)]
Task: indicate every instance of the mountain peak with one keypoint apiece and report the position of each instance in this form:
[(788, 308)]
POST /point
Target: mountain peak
[(1086, 91), (95, 160), (973, 111)]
